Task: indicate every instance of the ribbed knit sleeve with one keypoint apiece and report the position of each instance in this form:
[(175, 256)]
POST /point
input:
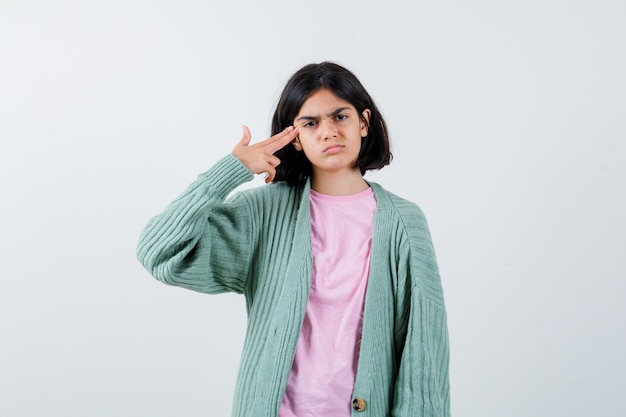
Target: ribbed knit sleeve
[(201, 241), (422, 385)]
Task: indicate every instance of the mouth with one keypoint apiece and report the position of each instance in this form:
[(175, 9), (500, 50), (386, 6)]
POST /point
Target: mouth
[(333, 148)]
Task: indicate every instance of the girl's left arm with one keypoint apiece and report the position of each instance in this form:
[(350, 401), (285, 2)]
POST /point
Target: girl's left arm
[(422, 385)]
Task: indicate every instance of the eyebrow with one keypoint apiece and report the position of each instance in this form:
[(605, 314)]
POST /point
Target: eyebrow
[(334, 113)]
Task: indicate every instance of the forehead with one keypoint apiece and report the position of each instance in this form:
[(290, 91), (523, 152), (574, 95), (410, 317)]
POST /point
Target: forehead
[(323, 101)]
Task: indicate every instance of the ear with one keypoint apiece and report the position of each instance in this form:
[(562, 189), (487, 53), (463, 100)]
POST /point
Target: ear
[(296, 144), (365, 122)]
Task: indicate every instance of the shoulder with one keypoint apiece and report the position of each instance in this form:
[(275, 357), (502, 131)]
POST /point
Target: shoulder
[(273, 190), (408, 218), (416, 243), (407, 211), (271, 195)]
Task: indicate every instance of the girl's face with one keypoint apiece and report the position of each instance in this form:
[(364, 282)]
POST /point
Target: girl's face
[(331, 131)]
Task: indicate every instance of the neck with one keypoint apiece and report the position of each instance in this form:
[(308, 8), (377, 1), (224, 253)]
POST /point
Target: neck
[(346, 183)]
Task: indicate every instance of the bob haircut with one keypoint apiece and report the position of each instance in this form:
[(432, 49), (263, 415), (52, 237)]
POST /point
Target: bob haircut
[(294, 167)]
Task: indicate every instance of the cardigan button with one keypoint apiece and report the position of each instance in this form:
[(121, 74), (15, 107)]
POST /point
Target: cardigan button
[(358, 404)]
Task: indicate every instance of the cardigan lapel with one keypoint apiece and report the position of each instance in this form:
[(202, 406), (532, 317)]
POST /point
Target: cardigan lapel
[(378, 323)]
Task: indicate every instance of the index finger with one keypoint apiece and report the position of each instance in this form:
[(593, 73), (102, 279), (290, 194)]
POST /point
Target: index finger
[(282, 139)]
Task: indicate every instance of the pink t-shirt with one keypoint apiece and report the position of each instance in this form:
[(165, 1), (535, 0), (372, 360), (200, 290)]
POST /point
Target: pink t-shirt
[(322, 377)]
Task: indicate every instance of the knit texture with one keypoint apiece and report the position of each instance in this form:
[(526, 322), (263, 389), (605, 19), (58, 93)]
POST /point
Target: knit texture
[(258, 243)]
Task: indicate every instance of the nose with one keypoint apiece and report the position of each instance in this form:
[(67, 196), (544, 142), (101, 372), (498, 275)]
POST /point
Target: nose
[(327, 129)]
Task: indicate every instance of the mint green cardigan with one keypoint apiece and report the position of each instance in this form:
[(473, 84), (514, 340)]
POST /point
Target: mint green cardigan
[(257, 243)]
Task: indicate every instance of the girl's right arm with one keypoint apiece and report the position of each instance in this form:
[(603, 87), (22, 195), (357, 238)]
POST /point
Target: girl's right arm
[(200, 241)]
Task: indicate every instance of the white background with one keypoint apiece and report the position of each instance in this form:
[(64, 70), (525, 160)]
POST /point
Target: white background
[(508, 129)]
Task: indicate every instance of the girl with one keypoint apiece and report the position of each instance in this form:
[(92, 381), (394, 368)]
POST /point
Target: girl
[(345, 307)]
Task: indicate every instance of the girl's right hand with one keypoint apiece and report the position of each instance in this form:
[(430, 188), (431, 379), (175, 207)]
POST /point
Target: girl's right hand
[(259, 158)]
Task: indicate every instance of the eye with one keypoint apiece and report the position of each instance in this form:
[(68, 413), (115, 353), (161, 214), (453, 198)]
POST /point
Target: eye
[(341, 117), (310, 123)]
